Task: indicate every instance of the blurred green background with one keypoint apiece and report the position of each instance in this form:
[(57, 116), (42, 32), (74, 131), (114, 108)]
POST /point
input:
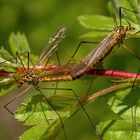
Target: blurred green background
[(39, 19)]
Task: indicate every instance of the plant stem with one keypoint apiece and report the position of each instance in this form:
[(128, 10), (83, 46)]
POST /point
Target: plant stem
[(106, 91), (112, 73), (102, 72)]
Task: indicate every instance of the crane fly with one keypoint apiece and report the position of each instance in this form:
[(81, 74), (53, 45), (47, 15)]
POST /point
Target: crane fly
[(105, 47), (65, 73), (68, 73), (90, 61), (33, 75), (95, 57)]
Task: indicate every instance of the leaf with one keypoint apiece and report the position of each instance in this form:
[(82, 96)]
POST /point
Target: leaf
[(95, 35), (117, 129), (5, 54), (96, 22), (7, 62), (40, 132), (104, 27), (6, 85), (44, 119), (7, 67), (18, 43), (121, 129), (103, 112), (132, 15)]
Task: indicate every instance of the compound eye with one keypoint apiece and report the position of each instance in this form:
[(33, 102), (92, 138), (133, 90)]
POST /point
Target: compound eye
[(27, 76)]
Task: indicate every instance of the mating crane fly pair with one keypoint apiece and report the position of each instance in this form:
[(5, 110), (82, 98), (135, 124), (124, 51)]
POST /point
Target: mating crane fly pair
[(93, 59), (32, 76)]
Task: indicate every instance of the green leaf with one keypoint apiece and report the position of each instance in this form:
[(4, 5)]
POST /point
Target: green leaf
[(5, 54), (102, 26), (102, 111), (96, 22), (95, 35), (7, 66), (33, 110), (18, 43), (117, 129), (7, 62), (132, 5), (42, 131), (44, 119), (121, 129), (6, 85)]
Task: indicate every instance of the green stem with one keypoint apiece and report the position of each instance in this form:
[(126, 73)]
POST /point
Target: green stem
[(108, 90)]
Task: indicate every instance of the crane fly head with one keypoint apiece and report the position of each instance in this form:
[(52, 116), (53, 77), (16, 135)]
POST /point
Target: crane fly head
[(28, 78)]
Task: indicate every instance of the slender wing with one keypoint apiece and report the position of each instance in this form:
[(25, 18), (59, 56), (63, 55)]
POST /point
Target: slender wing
[(51, 47), (60, 70), (94, 57)]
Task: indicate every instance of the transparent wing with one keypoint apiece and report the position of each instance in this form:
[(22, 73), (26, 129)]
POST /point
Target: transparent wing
[(60, 70), (93, 58), (95, 54), (51, 47)]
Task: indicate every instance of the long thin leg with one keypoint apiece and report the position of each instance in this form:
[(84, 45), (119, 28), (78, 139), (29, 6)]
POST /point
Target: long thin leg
[(79, 45), (90, 120), (34, 109), (83, 108), (22, 93), (28, 61), (56, 86), (12, 58), (133, 110), (131, 52), (57, 56), (54, 110), (120, 14), (17, 54), (48, 61), (89, 88), (133, 85)]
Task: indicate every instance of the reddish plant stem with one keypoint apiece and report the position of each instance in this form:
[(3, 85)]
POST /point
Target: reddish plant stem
[(5, 74), (111, 73)]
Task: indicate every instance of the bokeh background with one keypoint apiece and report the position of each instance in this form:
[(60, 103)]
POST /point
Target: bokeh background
[(38, 19)]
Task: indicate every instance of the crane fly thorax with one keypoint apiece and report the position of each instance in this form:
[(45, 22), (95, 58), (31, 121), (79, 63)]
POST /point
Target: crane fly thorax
[(119, 33), (28, 78)]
